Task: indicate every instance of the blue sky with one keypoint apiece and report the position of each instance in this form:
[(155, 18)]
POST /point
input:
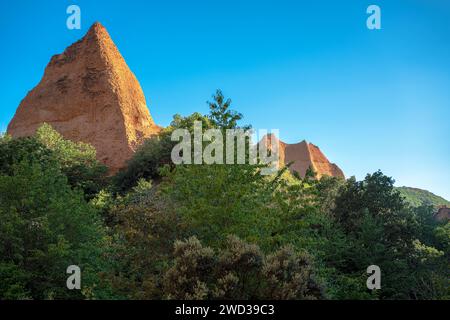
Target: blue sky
[(369, 99)]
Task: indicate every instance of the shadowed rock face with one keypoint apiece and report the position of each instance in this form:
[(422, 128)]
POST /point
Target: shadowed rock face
[(89, 94), (443, 214), (303, 155)]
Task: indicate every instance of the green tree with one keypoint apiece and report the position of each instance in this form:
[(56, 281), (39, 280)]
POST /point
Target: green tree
[(220, 114), (77, 161), (46, 227), (14, 151), (217, 200), (155, 153), (377, 227), (144, 228)]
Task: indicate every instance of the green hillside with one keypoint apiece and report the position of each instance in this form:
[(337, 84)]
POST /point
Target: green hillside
[(418, 196)]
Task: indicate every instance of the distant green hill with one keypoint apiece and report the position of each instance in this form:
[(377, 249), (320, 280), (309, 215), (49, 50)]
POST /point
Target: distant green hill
[(416, 197)]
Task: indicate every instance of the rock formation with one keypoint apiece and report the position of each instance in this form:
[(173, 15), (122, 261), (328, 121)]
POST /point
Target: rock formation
[(443, 214), (89, 94), (303, 155)]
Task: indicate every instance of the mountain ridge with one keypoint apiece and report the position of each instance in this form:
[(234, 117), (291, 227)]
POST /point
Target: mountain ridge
[(416, 197)]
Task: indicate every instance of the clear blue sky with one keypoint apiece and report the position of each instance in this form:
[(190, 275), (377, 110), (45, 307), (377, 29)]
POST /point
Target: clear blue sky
[(370, 99)]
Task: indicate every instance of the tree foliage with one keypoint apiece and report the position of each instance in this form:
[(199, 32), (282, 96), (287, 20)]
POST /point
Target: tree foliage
[(77, 161), (46, 227), (164, 231)]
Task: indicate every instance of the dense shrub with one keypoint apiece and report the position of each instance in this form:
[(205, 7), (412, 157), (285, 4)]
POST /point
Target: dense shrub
[(239, 271), (248, 236)]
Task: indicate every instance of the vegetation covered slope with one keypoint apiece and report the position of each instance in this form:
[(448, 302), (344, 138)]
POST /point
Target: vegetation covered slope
[(205, 231), (417, 197)]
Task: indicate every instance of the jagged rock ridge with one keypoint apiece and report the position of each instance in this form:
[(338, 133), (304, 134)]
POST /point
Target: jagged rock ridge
[(89, 94), (303, 155)]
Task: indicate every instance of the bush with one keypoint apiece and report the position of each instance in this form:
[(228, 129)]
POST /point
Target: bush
[(239, 271)]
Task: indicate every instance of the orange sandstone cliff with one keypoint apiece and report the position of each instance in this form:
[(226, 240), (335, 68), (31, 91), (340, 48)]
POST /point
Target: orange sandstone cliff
[(89, 94), (303, 155)]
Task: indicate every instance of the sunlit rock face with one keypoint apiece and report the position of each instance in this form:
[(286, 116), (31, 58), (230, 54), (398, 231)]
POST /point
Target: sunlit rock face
[(303, 155), (89, 94)]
